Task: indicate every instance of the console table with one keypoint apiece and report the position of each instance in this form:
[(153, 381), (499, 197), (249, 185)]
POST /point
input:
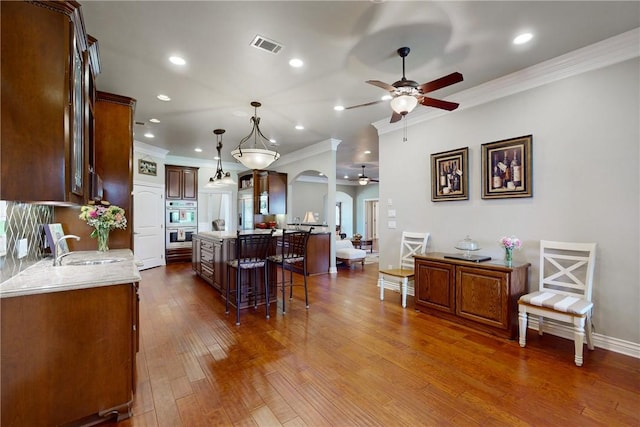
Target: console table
[(362, 242), (481, 295)]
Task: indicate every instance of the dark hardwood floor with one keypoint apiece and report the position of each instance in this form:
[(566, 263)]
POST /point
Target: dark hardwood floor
[(352, 360)]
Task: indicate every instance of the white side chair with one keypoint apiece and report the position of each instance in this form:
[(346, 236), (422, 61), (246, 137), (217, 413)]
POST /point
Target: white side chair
[(564, 292), (410, 245)]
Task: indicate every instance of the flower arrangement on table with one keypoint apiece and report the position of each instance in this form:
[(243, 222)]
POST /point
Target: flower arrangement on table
[(103, 218), (357, 236), (509, 244)]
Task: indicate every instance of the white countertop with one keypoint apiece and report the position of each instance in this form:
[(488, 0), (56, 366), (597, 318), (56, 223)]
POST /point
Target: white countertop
[(232, 235), (43, 277)]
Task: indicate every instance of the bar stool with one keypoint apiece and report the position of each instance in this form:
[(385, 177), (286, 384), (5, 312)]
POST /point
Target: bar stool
[(251, 253), (291, 249)]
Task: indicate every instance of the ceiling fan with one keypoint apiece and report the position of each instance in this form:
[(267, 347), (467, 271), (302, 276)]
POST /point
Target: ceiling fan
[(363, 179), (406, 94)]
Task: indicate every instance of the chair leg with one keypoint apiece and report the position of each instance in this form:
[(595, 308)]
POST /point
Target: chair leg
[(284, 281), (540, 325), (381, 285), (578, 337), (589, 332), (522, 317), (290, 285), (306, 293), (255, 288), (405, 285), (266, 287), (238, 287), (226, 306)]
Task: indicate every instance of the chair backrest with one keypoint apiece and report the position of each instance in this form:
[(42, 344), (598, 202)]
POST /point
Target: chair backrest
[(252, 248), (217, 225), (294, 244), (410, 245), (567, 268)]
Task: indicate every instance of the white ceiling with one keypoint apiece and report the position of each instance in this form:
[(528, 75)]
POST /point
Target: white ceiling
[(342, 43)]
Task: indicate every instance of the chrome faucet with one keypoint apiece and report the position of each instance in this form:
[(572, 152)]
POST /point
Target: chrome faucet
[(58, 258)]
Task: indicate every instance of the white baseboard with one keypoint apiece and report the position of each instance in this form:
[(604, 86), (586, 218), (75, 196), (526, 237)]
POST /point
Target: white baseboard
[(616, 345)]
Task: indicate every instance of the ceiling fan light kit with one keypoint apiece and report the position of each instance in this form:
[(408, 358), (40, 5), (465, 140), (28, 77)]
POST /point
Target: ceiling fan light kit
[(404, 104), (255, 158)]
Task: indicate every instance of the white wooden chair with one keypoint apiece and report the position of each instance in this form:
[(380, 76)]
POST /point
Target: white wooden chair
[(564, 292), (410, 245)]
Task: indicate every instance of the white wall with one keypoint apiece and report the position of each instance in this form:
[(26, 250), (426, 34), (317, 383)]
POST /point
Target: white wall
[(585, 182)]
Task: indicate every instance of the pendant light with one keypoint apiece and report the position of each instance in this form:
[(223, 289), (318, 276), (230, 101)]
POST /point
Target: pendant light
[(255, 158), (221, 177)]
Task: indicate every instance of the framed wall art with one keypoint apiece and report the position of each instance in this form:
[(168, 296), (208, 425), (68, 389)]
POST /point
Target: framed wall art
[(147, 167), (507, 168), (449, 177)]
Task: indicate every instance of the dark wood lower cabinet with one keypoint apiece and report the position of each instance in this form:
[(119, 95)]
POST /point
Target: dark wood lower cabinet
[(69, 355), (480, 295)]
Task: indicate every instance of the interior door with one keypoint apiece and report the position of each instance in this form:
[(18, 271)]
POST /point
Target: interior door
[(148, 233), (371, 219)]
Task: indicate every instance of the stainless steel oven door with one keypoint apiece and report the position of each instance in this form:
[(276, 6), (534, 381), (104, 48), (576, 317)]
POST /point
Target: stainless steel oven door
[(180, 237), (182, 214)]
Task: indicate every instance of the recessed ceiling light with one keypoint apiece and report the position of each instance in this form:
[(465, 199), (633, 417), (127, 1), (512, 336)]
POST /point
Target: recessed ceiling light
[(523, 38), (367, 152), (299, 127), (346, 177), (339, 107), (320, 174), (296, 62), (198, 150), (386, 97), (163, 97), (149, 135), (273, 141), (154, 120), (216, 158), (177, 60)]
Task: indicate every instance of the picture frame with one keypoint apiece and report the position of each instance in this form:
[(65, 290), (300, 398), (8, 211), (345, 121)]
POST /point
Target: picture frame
[(449, 175), (147, 167), (53, 233), (507, 168)]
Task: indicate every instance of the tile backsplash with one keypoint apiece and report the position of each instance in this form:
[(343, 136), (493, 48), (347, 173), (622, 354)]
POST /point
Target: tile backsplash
[(21, 221)]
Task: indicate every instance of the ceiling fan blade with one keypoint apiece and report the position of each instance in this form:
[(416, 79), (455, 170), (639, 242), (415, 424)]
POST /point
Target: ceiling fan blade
[(438, 103), (441, 82), (395, 117), (364, 105), (383, 85)]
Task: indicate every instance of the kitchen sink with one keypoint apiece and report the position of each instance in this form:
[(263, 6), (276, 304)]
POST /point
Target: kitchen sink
[(94, 261)]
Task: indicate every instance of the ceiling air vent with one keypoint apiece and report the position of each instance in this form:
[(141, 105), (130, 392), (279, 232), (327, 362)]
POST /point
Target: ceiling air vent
[(264, 43)]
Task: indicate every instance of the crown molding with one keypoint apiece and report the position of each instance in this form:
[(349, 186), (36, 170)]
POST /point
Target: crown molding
[(607, 52), (150, 150), (330, 144)]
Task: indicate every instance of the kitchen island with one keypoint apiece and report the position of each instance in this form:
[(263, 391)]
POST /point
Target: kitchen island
[(212, 250), (69, 338)]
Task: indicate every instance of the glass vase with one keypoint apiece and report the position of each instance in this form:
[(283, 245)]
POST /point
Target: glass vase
[(508, 255), (102, 234)]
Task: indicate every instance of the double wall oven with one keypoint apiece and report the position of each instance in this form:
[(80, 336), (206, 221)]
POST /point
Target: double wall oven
[(181, 223)]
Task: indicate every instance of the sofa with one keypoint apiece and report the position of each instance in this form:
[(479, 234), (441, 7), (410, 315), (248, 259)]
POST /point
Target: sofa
[(348, 255)]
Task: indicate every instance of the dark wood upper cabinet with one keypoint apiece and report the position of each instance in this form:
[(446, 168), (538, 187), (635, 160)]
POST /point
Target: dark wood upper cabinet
[(181, 183), (45, 137), (112, 160), (269, 190), (114, 157)]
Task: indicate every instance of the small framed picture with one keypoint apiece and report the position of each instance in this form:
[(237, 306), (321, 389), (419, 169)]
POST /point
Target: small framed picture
[(147, 167), (54, 232), (449, 177), (507, 168)]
